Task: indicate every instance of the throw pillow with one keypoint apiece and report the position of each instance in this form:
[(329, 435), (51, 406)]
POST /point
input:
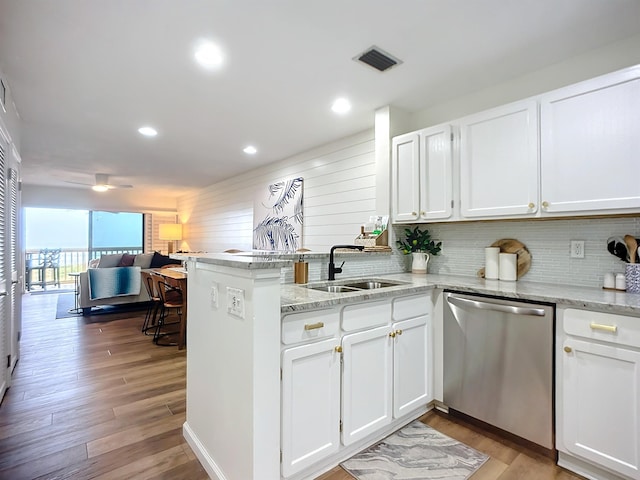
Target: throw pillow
[(160, 260), (108, 261), (126, 260), (143, 260)]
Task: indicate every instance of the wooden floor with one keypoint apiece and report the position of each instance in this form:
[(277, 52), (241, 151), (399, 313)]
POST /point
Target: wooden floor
[(94, 398)]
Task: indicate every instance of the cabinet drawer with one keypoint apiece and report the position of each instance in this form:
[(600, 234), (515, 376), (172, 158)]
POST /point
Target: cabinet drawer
[(410, 307), (308, 326), (606, 327), (365, 315)]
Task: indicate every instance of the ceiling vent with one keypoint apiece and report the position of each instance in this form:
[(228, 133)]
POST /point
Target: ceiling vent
[(377, 58)]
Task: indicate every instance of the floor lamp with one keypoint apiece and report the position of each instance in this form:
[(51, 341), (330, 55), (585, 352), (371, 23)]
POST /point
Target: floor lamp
[(170, 232)]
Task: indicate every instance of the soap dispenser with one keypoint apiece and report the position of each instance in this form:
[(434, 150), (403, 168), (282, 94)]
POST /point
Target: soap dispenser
[(300, 271)]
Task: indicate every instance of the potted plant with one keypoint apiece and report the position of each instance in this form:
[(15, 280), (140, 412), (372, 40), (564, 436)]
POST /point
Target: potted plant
[(418, 243)]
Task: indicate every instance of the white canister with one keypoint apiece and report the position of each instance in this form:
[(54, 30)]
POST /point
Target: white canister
[(509, 267), (492, 263), (609, 280), (621, 283)]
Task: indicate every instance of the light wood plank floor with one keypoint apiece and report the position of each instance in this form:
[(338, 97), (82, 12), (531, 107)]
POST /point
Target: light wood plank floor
[(94, 398)]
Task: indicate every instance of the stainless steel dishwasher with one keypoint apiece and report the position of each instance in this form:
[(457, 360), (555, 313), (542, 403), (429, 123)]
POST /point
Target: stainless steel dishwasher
[(498, 363)]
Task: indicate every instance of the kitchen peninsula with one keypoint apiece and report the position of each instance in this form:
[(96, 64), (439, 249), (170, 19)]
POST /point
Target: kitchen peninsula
[(235, 392)]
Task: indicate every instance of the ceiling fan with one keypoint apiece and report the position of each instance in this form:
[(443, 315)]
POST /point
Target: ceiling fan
[(102, 183)]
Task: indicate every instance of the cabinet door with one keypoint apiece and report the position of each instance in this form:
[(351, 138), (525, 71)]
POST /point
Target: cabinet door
[(499, 162), (590, 145), (310, 404), (410, 365), (366, 383), (405, 177), (436, 173), (599, 417)]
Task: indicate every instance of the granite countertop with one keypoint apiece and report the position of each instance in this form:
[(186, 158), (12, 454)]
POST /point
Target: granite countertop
[(248, 262), (298, 297)]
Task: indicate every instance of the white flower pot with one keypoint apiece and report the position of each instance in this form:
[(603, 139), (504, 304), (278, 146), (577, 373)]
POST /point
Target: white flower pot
[(419, 262)]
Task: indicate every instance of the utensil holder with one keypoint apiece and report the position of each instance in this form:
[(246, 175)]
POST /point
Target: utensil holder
[(632, 277), (300, 272)]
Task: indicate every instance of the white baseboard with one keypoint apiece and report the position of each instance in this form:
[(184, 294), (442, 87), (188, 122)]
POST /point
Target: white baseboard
[(205, 459)]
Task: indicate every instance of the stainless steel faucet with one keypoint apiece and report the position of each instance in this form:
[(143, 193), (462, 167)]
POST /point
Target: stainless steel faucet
[(332, 267)]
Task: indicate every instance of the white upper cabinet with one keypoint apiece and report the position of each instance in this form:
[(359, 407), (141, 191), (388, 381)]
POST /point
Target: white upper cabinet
[(570, 152), (422, 180), (590, 142), (405, 177), (499, 162)]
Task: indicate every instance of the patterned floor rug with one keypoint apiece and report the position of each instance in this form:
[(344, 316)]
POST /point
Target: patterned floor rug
[(416, 452)]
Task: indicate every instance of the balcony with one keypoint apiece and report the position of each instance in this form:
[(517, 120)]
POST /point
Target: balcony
[(71, 260)]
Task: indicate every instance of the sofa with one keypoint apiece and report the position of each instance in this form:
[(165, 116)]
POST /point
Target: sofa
[(117, 266)]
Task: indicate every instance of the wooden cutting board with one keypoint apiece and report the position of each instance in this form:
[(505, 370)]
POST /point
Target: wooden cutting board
[(510, 245)]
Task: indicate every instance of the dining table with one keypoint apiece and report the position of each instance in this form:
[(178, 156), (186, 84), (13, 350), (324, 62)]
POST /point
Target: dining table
[(177, 277)]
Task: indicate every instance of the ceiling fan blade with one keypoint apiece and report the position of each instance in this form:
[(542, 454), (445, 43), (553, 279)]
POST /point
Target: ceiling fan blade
[(79, 183), (118, 186)]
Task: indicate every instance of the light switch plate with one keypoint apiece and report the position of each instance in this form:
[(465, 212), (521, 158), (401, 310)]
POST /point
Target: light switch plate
[(235, 302), (214, 295)]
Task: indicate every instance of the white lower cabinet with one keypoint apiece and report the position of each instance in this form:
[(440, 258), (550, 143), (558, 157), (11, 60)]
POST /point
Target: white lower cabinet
[(360, 378), (366, 383), (410, 365), (310, 404), (598, 391)]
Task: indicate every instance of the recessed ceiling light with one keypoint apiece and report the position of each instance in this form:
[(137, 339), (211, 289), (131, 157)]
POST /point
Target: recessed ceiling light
[(209, 55), (148, 131), (341, 106), (250, 150)]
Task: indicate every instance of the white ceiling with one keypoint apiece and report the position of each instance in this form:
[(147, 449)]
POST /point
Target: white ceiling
[(85, 74)]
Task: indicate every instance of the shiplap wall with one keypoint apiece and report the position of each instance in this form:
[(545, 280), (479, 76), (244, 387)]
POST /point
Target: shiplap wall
[(152, 225), (339, 196)]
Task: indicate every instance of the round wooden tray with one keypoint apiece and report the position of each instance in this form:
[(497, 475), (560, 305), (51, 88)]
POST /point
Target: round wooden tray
[(510, 245)]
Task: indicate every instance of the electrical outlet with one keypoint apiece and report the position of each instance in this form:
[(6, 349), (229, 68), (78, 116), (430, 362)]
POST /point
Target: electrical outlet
[(235, 302), (577, 248)]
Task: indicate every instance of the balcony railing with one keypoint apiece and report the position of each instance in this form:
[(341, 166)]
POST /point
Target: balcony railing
[(74, 260)]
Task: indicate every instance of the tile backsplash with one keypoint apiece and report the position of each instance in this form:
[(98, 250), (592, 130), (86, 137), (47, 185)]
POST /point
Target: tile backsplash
[(548, 241)]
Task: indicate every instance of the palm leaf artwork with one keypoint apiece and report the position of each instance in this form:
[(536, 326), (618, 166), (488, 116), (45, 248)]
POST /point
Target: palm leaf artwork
[(275, 233), (281, 193), (281, 227)]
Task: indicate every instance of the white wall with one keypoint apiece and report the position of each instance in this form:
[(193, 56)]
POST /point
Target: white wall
[(591, 64), (339, 196), (86, 199), (9, 116)]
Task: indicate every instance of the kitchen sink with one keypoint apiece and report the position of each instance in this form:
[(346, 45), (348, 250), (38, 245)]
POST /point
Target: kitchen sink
[(355, 285), (334, 288), (371, 284)]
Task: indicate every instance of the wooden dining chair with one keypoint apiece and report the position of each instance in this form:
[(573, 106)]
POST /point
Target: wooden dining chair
[(150, 318), (171, 303)]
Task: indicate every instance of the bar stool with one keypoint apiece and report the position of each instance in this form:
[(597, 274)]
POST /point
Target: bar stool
[(171, 301)]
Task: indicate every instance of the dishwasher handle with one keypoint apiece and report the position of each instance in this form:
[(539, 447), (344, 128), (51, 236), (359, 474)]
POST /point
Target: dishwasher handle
[(497, 307)]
